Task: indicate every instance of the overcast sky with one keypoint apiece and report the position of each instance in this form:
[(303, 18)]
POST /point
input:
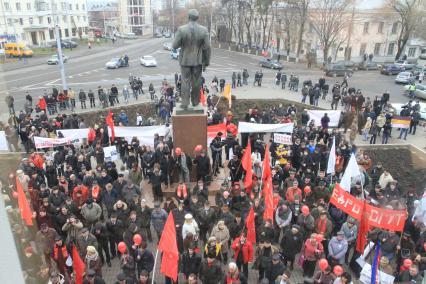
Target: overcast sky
[(370, 4)]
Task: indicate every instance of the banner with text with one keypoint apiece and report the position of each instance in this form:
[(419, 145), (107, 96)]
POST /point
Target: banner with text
[(401, 121), (316, 115), (247, 127), (111, 154), (382, 278), (282, 139), (81, 133), (42, 142), (377, 217)]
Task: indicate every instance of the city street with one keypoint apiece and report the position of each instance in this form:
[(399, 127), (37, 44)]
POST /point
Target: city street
[(88, 72)]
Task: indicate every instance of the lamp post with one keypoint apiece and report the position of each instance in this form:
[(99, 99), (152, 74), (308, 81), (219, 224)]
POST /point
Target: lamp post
[(59, 47)]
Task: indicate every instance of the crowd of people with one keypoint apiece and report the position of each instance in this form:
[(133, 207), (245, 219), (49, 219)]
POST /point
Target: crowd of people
[(80, 200)]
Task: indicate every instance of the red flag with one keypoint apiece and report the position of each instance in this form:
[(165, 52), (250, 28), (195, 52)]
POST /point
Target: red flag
[(78, 265), (168, 246), (362, 231), (110, 123), (246, 163), (91, 136), (266, 165), (202, 97), (23, 204), (269, 200), (251, 229)]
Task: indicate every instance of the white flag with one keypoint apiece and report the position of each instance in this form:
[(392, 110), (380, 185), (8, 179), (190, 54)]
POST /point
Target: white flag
[(332, 158), (352, 170)]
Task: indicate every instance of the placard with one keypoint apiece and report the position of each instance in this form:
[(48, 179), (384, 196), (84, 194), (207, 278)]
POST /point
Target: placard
[(283, 139), (110, 154)]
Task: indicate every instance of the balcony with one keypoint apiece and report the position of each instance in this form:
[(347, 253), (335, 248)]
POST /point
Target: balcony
[(41, 5)]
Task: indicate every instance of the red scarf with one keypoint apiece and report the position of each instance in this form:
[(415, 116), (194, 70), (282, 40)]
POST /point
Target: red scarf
[(63, 251), (235, 279), (322, 226)]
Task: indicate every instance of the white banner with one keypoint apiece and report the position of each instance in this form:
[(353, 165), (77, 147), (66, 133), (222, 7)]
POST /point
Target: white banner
[(246, 127), (42, 142), (111, 154), (382, 278), (3, 142), (283, 139), (82, 133), (316, 115)]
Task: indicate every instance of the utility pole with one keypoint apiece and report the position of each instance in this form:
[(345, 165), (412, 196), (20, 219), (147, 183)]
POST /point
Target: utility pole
[(173, 17), (59, 47), (347, 54)]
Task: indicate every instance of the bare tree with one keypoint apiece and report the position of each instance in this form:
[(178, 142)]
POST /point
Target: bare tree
[(287, 18), (410, 13), (329, 20), (302, 7), (263, 8), (248, 14)]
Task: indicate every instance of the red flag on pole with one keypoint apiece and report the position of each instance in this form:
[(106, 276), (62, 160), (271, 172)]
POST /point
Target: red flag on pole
[(202, 97), (251, 229), (362, 231), (266, 165), (24, 206), (78, 266), (168, 246), (246, 163), (269, 200), (110, 123)]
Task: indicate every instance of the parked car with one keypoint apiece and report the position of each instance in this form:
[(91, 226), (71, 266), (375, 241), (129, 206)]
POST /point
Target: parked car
[(158, 35), (175, 53), (369, 66), (404, 64), (116, 63), (54, 59), (405, 78), (167, 46), (270, 63), (128, 36), (335, 70), (69, 43), (148, 61), (417, 70), (391, 69), (167, 35), (398, 108), (420, 91), (348, 64)]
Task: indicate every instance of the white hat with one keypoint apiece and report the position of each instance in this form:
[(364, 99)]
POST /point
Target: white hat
[(188, 216)]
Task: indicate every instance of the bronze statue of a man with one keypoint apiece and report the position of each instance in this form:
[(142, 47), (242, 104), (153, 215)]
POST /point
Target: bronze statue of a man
[(194, 57)]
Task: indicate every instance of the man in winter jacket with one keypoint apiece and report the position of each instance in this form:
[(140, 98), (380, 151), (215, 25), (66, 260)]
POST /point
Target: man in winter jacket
[(84, 240), (144, 214), (350, 230), (91, 212), (337, 248), (115, 229), (243, 253), (291, 244), (158, 219), (211, 270), (283, 216), (191, 262), (44, 240)]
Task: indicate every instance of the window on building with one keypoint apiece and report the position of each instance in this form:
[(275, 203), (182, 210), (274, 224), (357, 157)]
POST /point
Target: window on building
[(30, 20), (394, 28), (64, 19), (377, 48), (74, 31), (72, 19), (78, 18), (49, 20), (84, 18), (76, 6), (366, 26), (70, 7), (67, 34), (24, 36), (362, 49), (391, 48), (412, 51), (51, 34), (6, 6), (40, 20), (21, 21), (18, 6), (83, 7), (29, 6), (9, 21), (380, 29)]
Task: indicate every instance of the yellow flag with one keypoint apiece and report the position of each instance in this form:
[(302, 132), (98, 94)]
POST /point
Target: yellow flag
[(227, 94)]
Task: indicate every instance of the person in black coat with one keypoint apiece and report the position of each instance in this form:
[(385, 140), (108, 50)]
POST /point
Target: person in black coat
[(210, 270), (203, 165), (206, 218), (127, 265), (92, 278), (191, 262), (144, 214), (143, 257), (101, 234), (115, 228), (277, 268), (291, 244)]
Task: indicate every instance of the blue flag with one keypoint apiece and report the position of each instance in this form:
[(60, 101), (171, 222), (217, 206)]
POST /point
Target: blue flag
[(375, 266)]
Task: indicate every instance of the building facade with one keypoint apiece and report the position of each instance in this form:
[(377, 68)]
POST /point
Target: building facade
[(136, 17), (104, 17), (33, 21)]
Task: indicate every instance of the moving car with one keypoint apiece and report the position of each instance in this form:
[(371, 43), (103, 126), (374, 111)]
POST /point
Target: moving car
[(335, 70), (17, 49), (270, 63), (420, 91), (148, 61), (54, 59), (116, 63), (348, 64), (417, 70), (167, 35), (404, 64), (405, 78), (167, 46), (369, 66), (391, 69), (175, 53), (398, 108)]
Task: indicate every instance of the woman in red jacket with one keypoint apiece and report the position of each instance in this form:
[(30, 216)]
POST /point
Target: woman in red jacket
[(243, 253), (311, 252)]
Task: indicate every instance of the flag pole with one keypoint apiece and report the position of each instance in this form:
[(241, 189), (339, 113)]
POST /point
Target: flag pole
[(155, 264)]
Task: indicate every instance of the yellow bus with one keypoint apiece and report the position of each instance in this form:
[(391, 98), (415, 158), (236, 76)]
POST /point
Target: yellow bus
[(13, 49)]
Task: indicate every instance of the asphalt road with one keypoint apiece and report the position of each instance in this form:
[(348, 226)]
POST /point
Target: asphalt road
[(88, 72)]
